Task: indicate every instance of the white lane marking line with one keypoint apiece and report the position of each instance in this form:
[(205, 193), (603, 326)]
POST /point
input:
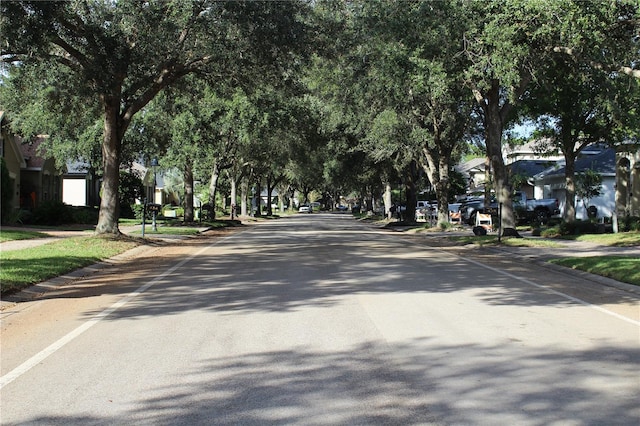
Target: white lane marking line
[(531, 283), (43, 354), (556, 292)]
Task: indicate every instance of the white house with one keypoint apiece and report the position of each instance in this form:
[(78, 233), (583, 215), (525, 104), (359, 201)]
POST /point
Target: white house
[(602, 160)]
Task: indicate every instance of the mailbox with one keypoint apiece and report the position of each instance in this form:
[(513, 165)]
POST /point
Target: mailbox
[(153, 207)]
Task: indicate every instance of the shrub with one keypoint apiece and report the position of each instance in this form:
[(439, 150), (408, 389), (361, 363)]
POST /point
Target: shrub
[(578, 227), (131, 188), (445, 226), (52, 213), (629, 223), (551, 232), (85, 215)]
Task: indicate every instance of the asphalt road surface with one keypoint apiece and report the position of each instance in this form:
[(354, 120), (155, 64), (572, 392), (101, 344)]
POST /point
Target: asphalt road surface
[(319, 320)]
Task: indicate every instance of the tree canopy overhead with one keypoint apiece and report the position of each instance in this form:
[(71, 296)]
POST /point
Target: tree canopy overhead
[(120, 55), (392, 85)]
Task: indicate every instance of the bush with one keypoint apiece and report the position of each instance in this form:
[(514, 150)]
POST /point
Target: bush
[(553, 232), (445, 226), (85, 215), (629, 223), (130, 189), (578, 227), (51, 213)]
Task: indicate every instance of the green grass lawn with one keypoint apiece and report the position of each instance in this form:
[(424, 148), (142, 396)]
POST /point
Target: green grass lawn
[(622, 239), (14, 235), (21, 268), (623, 269)]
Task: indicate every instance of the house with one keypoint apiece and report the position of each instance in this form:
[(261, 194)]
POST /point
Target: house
[(475, 172), (600, 159), (14, 162), (80, 185), (522, 171), (40, 179), (534, 149), (154, 184)]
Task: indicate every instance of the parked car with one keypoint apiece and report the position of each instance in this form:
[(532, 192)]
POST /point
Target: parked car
[(534, 210), (524, 209), (468, 209), (305, 208)]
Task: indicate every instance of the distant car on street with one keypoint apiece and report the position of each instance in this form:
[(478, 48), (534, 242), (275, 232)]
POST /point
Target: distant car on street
[(305, 208)]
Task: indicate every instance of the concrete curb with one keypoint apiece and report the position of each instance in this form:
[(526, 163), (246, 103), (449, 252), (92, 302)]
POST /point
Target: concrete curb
[(546, 264), (572, 272), (37, 290)]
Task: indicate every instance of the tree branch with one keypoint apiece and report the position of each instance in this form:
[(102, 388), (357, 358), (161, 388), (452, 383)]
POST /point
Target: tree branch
[(635, 73)]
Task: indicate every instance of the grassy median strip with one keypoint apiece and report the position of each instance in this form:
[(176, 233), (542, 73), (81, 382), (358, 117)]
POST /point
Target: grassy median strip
[(623, 269), (21, 268)]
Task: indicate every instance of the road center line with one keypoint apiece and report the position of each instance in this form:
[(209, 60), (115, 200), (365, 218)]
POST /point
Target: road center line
[(54, 347)]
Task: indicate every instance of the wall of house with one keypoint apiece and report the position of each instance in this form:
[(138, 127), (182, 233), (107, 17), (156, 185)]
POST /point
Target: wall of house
[(14, 162), (606, 202)]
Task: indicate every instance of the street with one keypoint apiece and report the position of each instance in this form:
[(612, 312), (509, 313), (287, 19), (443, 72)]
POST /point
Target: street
[(320, 320)]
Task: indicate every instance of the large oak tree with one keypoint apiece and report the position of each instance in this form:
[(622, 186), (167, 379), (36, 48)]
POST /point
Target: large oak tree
[(118, 56)]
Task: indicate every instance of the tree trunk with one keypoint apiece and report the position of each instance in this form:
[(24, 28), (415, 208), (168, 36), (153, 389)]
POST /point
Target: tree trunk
[(494, 127), (257, 199), (111, 148), (442, 190), (188, 193), (244, 194), (234, 195), (269, 191), (213, 187), (569, 177), (410, 193), (387, 200)]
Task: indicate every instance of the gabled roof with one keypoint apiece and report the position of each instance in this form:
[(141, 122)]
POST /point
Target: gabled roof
[(603, 163), (530, 168), (474, 163), (31, 155), (79, 168)]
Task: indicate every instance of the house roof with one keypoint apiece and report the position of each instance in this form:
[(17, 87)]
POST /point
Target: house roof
[(30, 152), (530, 168), (474, 163), (77, 168), (601, 161)]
